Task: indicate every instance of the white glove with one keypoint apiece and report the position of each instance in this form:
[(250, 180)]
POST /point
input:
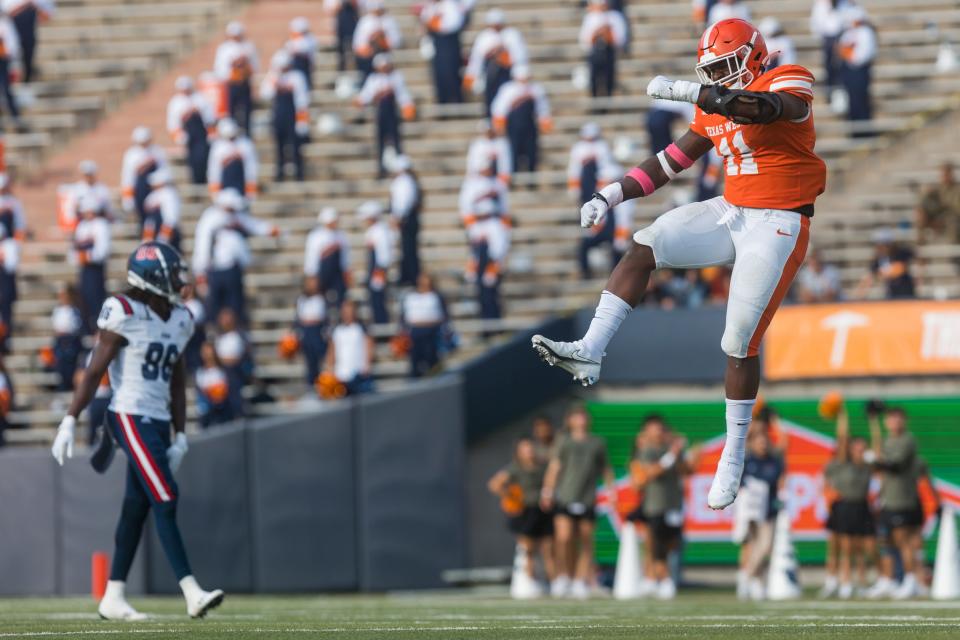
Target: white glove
[(302, 128), (127, 204), (63, 443), (592, 212), (678, 90), (176, 451)]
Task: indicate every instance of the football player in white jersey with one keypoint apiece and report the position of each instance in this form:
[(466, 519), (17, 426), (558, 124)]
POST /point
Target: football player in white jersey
[(142, 334)]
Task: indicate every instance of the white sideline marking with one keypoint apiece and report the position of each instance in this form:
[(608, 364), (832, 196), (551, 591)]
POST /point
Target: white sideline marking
[(336, 630)]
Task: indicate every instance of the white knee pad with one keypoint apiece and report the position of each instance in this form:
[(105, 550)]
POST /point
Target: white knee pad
[(735, 343)]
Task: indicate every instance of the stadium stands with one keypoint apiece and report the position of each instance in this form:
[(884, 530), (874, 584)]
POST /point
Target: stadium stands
[(98, 51)]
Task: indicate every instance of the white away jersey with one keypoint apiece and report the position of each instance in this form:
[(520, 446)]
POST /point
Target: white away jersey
[(140, 374)]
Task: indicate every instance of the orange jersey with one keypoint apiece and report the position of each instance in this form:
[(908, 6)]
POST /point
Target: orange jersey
[(769, 166)]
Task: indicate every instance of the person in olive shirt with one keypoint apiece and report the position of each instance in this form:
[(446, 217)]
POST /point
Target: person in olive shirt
[(662, 467), (900, 515), (544, 438), (532, 527), (579, 463), (848, 476)]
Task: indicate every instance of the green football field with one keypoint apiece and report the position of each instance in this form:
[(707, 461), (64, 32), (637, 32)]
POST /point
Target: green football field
[(458, 615)]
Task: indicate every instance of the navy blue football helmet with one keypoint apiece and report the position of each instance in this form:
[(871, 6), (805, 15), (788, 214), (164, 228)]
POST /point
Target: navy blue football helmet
[(157, 268)]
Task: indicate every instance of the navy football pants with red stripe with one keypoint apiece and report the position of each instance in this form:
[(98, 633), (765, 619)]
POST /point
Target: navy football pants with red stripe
[(149, 484)]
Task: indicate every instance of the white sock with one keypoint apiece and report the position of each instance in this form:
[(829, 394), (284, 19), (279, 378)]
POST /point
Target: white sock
[(115, 590), (611, 311), (191, 590), (739, 414)]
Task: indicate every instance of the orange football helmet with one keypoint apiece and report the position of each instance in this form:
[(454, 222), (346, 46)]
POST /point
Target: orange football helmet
[(732, 53)]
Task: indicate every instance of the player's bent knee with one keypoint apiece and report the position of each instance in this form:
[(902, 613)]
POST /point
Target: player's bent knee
[(735, 342)]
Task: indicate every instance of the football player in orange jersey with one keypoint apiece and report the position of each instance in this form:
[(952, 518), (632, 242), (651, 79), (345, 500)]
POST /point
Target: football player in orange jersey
[(761, 122)]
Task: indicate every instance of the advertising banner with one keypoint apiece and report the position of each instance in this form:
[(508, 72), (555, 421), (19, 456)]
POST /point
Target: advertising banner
[(916, 337)]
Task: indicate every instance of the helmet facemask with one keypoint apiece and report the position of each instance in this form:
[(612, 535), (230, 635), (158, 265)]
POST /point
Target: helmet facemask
[(729, 69)]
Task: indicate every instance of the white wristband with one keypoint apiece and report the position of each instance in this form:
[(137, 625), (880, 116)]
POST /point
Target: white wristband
[(667, 460), (613, 193)]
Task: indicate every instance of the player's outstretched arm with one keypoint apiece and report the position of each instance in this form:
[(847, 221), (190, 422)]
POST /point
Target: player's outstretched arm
[(752, 107), (104, 351), (647, 177), (738, 105)]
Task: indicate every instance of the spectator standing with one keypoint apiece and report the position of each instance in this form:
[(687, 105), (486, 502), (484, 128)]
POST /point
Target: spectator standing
[(311, 326), (233, 352), (376, 33), (938, 211), (423, 315), (221, 253), (162, 210), (189, 119), (379, 239), (891, 266), (91, 188), (139, 161), (663, 466), (857, 47), (587, 156), (9, 61), (67, 323), (497, 48), (518, 486), (302, 45), (386, 90), (235, 63), (91, 250), (818, 281), (489, 237), (233, 161), (406, 202), (779, 44), (579, 463), (443, 21), (345, 14), (603, 34), (493, 150), (756, 513), (478, 186), (13, 231), (286, 89), (327, 257), (827, 21), (26, 16), (213, 389), (351, 350), (522, 111)]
